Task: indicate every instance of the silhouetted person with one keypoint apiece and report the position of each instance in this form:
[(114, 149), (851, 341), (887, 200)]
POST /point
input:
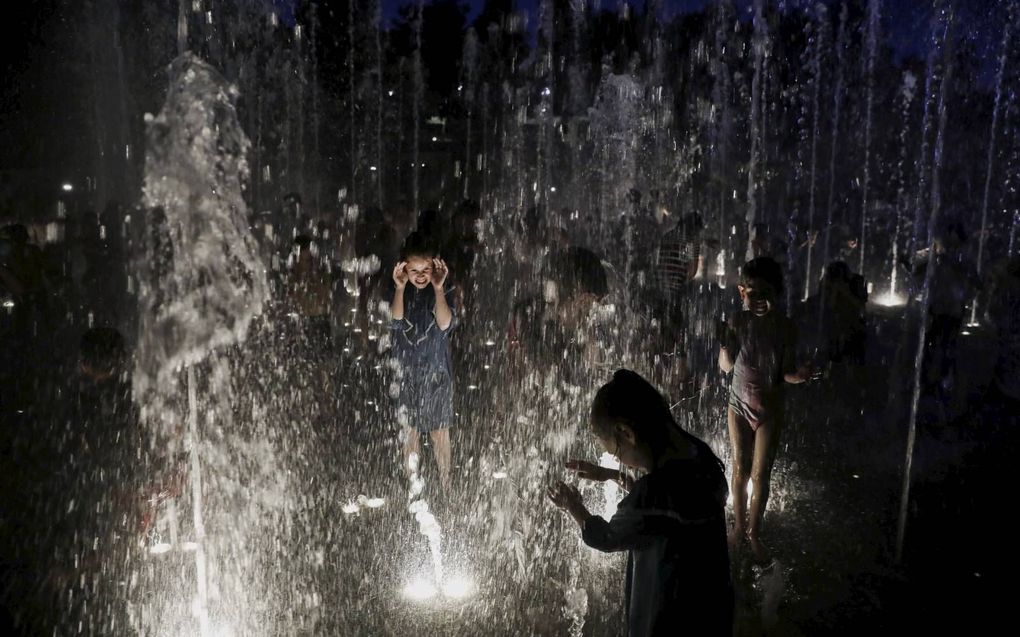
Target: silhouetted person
[(308, 289), (376, 246), (1003, 314), (460, 246), (838, 316), (954, 283), (551, 328), (758, 346), (672, 523)]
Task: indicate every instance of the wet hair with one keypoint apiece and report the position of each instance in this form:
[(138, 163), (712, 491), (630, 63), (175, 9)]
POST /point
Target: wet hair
[(629, 399), (692, 222), (418, 244), (102, 349), (763, 269), (579, 271), (837, 271)]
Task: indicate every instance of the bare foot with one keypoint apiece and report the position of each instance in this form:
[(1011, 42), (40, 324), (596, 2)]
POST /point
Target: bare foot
[(759, 550), (736, 537)]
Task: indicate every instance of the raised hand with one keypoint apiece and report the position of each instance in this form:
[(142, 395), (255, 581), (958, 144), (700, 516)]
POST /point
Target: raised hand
[(400, 275), (565, 497), (439, 273), (589, 471)]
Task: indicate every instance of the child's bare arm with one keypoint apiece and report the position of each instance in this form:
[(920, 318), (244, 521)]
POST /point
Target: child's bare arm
[(444, 315), (400, 280), (725, 360), (801, 375), (727, 357)]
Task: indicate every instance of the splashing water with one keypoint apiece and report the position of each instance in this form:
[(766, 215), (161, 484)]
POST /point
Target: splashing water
[(201, 285)]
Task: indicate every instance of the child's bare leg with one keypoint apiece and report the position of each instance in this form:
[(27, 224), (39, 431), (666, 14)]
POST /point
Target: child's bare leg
[(410, 445), (441, 449), (743, 446), (766, 440)]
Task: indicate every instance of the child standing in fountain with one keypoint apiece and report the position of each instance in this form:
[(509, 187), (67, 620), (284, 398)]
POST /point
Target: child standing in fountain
[(422, 321), (758, 347), (672, 522)]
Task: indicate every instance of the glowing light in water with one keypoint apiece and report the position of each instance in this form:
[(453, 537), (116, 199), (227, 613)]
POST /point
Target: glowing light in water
[(350, 508), (890, 299), (499, 475), (458, 587), (67, 187), (375, 503), (419, 589), (610, 490), (159, 548), (422, 588)]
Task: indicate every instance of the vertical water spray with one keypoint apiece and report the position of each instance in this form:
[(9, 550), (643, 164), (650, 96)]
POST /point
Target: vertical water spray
[(758, 46), (942, 27), (906, 98), (837, 104), (721, 95), (874, 13), (182, 26), (419, 91), (467, 90), (201, 284), (820, 43), (380, 86), (314, 57), (1006, 36), (544, 111), (352, 192), (427, 523)]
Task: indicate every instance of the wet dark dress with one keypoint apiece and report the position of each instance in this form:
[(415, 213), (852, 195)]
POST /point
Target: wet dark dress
[(678, 570), (422, 350)]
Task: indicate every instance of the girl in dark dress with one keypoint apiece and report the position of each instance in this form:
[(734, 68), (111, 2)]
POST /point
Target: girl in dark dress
[(423, 318), (672, 523)]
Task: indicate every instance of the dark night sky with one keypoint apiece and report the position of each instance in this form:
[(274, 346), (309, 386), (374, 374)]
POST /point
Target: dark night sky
[(904, 25), (32, 29)]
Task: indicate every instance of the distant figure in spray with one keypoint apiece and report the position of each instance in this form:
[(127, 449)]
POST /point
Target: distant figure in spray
[(308, 289), (757, 345), (954, 282), (421, 324), (1003, 314), (673, 521)]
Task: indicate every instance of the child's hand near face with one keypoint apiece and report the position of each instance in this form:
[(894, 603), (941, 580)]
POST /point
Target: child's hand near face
[(439, 273), (400, 275)]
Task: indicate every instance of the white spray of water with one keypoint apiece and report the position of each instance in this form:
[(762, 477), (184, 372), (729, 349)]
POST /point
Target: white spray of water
[(427, 523)]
